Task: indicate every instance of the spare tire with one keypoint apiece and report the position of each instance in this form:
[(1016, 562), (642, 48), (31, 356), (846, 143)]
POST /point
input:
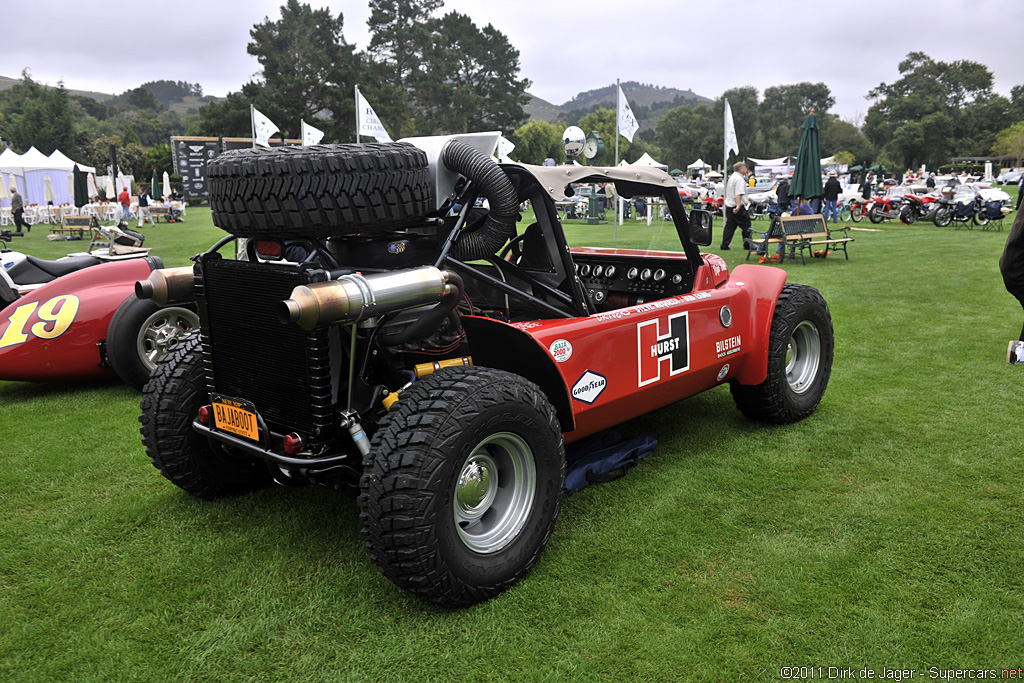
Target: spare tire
[(319, 191)]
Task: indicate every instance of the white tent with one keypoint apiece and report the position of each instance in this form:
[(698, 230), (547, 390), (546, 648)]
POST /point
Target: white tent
[(11, 173), (61, 161), (32, 168), (698, 165), (646, 160)]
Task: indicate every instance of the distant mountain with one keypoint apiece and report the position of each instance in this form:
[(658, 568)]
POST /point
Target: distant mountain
[(6, 83), (649, 103)]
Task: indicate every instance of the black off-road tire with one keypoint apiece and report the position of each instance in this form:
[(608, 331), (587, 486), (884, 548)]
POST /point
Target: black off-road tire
[(141, 333), (431, 519), (319, 191), (800, 351), (170, 403)]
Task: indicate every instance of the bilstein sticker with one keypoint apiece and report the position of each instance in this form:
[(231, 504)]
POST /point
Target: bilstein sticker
[(728, 346), (589, 387)]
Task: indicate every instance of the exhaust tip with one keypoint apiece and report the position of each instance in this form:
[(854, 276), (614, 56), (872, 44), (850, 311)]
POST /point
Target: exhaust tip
[(289, 311), (144, 289)]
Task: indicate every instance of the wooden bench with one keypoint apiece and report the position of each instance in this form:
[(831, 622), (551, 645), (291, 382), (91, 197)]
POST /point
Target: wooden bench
[(804, 233), (71, 224), (160, 211)]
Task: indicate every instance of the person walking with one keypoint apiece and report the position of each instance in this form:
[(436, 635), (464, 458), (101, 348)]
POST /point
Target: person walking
[(125, 200), (18, 210), (144, 214), (736, 201), (831, 194)]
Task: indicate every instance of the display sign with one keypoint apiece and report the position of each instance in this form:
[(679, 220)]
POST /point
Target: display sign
[(191, 154)]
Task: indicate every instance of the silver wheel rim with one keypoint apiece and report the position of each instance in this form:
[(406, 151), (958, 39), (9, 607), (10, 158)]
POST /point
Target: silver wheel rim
[(803, 355), (160, 331), (494, 492)]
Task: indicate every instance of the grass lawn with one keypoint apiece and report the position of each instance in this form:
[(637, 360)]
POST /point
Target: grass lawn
[(883, 531)]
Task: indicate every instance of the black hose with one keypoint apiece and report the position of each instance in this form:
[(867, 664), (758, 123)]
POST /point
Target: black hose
[(432, 318), (493, 184)]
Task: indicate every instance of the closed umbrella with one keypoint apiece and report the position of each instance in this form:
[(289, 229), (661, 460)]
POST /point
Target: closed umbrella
[(806, 182), (81, 187), (3, 189), (111, 192), (48, 195), (90, 183), (156, 186), (167, 185)]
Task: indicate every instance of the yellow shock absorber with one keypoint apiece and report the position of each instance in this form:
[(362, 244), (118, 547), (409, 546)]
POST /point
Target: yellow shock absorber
[(425, 369)]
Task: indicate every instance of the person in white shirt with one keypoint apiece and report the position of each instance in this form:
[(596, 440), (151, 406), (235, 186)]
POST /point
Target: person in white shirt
[(736, 202)]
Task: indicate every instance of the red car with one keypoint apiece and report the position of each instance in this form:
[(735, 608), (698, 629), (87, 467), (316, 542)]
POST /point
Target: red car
[(78, 318), (385, 336)]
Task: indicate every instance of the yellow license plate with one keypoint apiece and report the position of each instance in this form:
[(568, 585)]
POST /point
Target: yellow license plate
[(237, 417)]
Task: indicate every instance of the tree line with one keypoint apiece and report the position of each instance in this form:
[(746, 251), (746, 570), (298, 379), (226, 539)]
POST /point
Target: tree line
[(428, 73)]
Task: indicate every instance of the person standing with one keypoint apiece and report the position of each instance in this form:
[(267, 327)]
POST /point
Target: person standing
[(1020, 191), (125, 200), (1011, 267), (144, 214), (18, 210), (736, 200), (831, 194), (865, 188), (930, 183), (782, 194)]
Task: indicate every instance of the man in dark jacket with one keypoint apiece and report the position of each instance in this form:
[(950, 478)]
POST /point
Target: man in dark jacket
[(831, 195), (18, 210), (1011, 265), (782, 194), (865, 188)]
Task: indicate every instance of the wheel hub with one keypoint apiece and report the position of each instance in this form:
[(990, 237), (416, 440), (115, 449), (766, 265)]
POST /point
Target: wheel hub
[(803, 354), (474, 492)]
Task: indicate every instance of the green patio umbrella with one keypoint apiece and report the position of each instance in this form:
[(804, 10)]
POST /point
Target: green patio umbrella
[(675, 171), (858, 167), (81, 188), (157, 191), (806, 182)]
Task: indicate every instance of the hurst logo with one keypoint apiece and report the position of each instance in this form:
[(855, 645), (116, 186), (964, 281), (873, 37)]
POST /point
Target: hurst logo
[(663, 348)]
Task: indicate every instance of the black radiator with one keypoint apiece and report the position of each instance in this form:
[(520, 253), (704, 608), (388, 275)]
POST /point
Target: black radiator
[(251, 355)]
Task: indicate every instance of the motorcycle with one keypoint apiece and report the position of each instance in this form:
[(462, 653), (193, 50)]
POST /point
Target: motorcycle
[(884, 208), (963, 207), (859, 209), (918, 208)]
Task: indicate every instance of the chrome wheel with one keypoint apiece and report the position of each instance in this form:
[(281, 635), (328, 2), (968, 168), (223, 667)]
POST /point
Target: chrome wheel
[(494, 493), (161, 330), (803, 356)]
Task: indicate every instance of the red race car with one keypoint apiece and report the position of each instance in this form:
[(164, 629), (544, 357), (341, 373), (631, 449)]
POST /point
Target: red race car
[(386, 336), (78, 318)]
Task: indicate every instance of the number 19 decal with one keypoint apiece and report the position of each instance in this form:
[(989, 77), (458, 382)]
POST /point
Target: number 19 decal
[(55, 317)]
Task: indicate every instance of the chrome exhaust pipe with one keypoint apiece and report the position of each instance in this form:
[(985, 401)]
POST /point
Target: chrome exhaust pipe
[(166, 285), (355, 297)]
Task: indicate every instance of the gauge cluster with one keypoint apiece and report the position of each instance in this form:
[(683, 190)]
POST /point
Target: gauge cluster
[(615, 282)]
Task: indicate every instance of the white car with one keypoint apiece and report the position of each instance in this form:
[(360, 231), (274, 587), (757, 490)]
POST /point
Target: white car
[(1010, 177)]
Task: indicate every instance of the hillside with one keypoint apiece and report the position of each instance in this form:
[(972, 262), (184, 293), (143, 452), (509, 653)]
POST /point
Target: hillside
[(6, 83)]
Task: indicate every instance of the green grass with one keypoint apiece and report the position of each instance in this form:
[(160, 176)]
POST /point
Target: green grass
[(884, 530)]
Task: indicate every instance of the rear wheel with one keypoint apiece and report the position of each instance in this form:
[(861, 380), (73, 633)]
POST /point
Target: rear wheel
[(462, 485), (141, 333), (170, 403), (875, 214), (800, 351)]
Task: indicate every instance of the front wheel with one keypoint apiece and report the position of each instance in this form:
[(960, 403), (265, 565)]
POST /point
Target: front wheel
[(856, 214), (800, 350), (943, 217), (908, 216), (980, 218), (844, 213), (141, 333), (462, 485)]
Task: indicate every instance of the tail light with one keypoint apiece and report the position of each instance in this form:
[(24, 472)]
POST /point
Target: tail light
[(292, 443), (204, 415)]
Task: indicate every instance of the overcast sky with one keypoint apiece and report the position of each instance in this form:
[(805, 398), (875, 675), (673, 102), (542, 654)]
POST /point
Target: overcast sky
[(565, 47)]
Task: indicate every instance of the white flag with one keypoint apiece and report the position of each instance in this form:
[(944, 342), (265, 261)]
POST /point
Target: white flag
[(731, 144), (505, 148), (262, 128), (368, 123), (310, 135), (627, 122)]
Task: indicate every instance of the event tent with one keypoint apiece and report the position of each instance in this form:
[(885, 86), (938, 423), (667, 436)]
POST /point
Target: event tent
[(698, 165), (30, 170), (646, 160)]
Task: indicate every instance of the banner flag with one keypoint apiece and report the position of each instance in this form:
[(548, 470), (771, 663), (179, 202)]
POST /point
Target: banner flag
[(627, 122), (369, 123), (505, 148), (310, 135), (263, 128), (731, 144)]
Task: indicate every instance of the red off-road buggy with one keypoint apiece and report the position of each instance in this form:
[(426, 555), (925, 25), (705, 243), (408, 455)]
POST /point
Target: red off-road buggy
[(386, 335)]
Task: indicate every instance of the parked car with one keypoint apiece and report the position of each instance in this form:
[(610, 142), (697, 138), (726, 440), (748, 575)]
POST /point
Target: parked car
[(1009, 178), (437, 364)]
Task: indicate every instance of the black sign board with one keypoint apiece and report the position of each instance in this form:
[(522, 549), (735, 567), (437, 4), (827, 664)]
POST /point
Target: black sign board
[(190, 158)]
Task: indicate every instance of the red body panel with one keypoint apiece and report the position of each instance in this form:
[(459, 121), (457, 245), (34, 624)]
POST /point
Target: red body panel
[(627, 362), (54, 331)]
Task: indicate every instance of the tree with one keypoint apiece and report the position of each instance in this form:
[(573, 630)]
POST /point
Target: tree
[(537, 141), (469, 80), (843, 136), (1010, 142), (783, 111), (33, 115), (128, 136), (688, 133), (229, 118), (307, 70), (603, 121), (745, 116)]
